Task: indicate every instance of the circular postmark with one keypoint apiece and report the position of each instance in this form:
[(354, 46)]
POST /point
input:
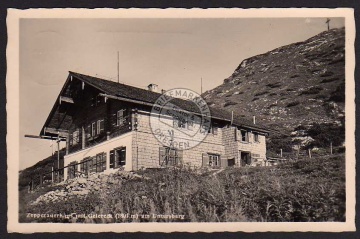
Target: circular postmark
[(180, 119)]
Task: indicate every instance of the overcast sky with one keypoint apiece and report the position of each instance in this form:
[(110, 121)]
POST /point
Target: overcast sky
[(169, 52)]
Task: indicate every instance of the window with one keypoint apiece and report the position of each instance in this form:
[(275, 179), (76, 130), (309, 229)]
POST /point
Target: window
[(72, 169), (170, 156), (85, 165), (100, 126), (94, 164), (75, 138), (120, 120), (244, 136), (96, 100), (93, 129), (212, 160), (118, 157), (100, 162), (256, 137)]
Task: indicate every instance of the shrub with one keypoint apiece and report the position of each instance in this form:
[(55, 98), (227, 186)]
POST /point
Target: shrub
[(329, 80), (292, 104), (274, 85), (339, 94), (323, 134), (228, 103), (327, 73), (311, 91), (261, 93)]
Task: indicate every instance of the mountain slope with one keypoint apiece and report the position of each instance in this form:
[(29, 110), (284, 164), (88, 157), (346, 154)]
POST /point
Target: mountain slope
[(293, 85)]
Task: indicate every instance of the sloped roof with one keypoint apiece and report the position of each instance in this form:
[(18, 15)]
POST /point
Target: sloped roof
[(146, 96)]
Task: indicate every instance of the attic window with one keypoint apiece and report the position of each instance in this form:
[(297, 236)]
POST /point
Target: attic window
[(256, 137), (93, 129), (244, 136), (120, 119), (75, 138), (100, 126)]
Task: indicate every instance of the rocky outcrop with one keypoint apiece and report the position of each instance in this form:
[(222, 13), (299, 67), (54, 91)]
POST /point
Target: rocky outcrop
[(80, 187)]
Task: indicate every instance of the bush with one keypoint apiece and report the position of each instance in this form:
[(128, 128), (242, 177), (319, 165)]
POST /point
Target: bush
[(274, 85), (311, 91), (228, 103), (339, 94), (327, 73), (329, 80), (261, 93), (323, 134), (292, 104)]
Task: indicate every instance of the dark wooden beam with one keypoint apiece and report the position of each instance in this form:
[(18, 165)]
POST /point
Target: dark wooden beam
[(60, 132), (43, 137)]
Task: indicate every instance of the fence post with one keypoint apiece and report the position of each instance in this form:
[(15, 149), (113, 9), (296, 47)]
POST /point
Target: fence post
[(298, 151), (331, 148), (281, 154)]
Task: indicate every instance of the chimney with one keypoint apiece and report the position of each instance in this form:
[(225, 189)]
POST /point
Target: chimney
[(153, 87), (254, 119)]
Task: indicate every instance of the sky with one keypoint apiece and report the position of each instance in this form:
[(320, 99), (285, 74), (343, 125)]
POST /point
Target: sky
[(168, 52)]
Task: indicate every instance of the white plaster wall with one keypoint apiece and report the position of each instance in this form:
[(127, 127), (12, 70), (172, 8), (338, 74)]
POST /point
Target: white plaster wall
[(124, 140)]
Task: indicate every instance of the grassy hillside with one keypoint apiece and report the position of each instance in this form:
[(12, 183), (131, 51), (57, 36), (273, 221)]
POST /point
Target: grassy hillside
[(305, 190), (39, 168), (289, 86), (294, 89)]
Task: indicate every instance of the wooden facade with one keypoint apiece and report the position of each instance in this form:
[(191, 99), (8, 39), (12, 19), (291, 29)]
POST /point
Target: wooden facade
[(106, 126)]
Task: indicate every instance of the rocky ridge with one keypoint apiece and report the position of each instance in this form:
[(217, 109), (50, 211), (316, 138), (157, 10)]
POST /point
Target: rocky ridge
[(81, 187)]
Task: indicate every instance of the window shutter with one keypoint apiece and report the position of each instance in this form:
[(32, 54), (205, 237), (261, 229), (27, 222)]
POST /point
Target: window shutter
[(180, 157), (112, 159), (223, 162), (162, 155), (71, 137), (94, 164), (103, 161), (237, 134), (122, 157), (88, 131), (205, 159), (102, 126)]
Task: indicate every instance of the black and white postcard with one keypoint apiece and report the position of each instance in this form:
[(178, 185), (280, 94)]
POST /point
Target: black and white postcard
[(163, 120)]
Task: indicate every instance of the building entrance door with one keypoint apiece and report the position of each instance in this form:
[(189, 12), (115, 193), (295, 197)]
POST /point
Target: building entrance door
[(245, 158)]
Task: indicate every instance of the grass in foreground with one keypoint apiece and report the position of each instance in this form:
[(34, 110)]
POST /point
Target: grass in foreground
[(308, 190)]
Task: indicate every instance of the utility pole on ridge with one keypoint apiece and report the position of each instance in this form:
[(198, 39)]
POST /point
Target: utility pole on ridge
[(328, 23)]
